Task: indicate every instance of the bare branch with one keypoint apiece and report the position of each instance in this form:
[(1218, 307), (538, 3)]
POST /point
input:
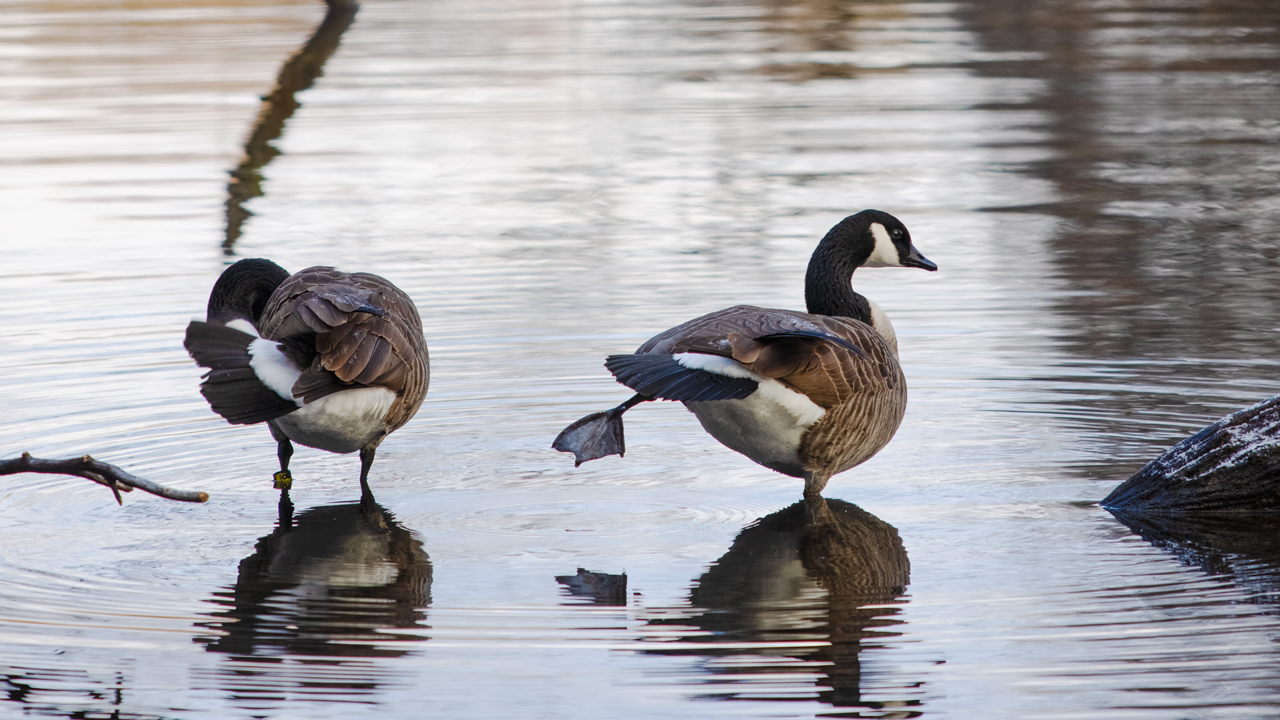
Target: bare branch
[(102, 473)]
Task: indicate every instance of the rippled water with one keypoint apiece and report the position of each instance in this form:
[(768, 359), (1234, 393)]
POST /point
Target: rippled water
[(555, 182)]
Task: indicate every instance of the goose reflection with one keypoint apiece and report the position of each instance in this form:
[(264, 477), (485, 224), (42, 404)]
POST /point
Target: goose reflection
[(321, 590), (801, 591)]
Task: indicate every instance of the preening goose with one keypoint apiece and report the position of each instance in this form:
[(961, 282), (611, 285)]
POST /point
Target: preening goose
[(806, 394), (332, 360)]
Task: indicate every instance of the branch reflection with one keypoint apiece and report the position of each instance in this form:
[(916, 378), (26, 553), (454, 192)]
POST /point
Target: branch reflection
[(297, 74), (799, 595), (324, 584)]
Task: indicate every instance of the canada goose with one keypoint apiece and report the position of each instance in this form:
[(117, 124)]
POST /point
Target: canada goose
[(332, 360), (806, 394)]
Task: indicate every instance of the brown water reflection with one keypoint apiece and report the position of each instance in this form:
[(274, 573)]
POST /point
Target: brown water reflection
[(315, 598), (786, 612), (1162, 130), (298, 73), (553, 181)]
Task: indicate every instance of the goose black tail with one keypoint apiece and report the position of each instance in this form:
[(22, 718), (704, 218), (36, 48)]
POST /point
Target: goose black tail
[(230, 386), (661, 376)]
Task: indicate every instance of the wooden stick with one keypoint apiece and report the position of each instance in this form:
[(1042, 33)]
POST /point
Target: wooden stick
[(102, 473)]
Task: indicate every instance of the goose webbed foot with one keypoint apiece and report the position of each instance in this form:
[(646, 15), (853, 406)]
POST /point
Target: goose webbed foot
[(596, 435)]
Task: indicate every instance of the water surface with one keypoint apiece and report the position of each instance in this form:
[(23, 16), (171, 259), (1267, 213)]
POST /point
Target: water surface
[(556, 182)]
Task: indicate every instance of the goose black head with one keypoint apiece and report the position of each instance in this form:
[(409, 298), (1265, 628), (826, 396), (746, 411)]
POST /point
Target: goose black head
[(890, 243), (242, 291), (870, 238)]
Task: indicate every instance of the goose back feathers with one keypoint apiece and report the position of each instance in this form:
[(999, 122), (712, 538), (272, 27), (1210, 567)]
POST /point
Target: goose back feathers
[(350, 330)]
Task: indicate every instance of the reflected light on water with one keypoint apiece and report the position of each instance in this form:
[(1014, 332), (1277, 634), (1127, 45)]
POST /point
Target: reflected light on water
[(786, 613), (307, 614), (554, 183)]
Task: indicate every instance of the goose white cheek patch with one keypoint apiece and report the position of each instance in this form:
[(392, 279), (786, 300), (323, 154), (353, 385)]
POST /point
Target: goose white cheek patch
[(885, 253)]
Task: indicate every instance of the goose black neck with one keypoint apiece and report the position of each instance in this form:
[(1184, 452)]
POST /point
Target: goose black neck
[(243, 290), (827, 288)]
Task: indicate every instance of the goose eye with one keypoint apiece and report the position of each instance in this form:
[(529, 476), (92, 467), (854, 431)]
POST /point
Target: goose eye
[(896, 234)]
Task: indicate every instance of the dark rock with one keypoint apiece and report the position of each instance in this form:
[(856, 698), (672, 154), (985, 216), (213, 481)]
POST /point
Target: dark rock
[(1231, 466)]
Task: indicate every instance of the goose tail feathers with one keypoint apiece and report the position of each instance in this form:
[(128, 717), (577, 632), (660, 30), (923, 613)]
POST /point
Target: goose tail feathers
[(231, 386), (664, 376)]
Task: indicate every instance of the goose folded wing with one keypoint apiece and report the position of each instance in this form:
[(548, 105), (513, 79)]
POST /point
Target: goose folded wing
[(366, 332), (829, 359), (317, 300)]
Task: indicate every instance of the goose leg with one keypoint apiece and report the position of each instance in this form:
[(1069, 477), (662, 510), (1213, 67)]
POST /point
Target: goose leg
[(814, 482), (284, 450), (596, 435), (366, 462)]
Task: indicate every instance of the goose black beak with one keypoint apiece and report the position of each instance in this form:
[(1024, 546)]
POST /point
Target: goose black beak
[(915, 259)]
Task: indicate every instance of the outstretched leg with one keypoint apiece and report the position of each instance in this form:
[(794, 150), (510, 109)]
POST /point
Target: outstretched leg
[(597, 434), (366, 462), (284, 451)]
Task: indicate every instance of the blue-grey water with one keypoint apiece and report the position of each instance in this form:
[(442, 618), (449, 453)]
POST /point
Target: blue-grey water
[(553, 182)]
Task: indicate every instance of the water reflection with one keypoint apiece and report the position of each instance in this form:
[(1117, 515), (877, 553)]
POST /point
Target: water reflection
[(792, 604), (297, 74), (602, 588), (321, 589), (1158, 136), (50, 692), (1243, 548), (1162, 143)]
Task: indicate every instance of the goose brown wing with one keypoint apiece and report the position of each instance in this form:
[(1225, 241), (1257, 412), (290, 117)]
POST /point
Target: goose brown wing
[(366, 332), (810, 353)]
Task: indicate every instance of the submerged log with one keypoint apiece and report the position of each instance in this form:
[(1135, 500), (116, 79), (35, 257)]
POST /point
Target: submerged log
[(1231, 466)]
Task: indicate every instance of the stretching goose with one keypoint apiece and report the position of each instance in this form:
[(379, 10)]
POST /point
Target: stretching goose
[(806, 394), (332, 360)]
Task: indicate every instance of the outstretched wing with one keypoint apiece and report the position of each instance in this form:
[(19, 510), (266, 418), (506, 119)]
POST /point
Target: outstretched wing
[(830, 359)]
